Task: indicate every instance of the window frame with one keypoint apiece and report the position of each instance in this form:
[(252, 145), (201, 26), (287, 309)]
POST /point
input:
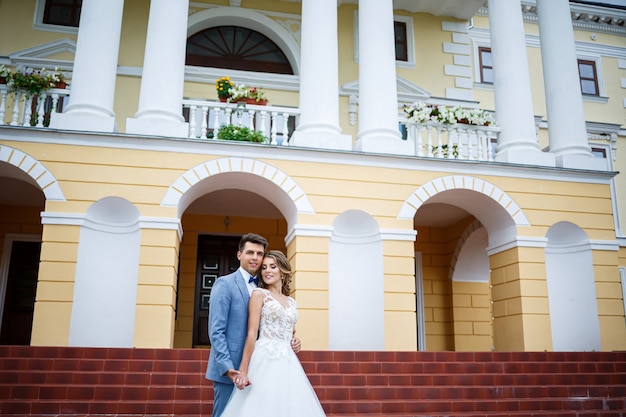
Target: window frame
[(410, 40), (38, 24), (481, 67), (592, 64)]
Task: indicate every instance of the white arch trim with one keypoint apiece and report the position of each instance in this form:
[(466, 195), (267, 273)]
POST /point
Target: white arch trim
[(220, 166), (455, 182), (34, 169), (250, 19)]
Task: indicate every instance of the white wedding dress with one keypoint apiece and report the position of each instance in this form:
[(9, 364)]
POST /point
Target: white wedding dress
[(279, 387)]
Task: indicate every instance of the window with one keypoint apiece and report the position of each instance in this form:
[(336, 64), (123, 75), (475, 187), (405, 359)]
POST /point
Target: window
[(400, 34), (486, 65), (62, 12), (234, 47), (588, 77), (598, 152)]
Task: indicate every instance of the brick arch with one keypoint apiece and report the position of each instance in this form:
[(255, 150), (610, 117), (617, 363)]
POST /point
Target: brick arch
[(35, 169), (457, 182), (180, 194)]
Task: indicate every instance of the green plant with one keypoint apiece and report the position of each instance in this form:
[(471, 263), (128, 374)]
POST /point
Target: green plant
[(33, 82), (240, 133)]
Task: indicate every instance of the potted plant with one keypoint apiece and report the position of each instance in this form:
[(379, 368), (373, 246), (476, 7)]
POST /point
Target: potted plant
[(223, 86), (34, 82), (239, 133), (228, 91)]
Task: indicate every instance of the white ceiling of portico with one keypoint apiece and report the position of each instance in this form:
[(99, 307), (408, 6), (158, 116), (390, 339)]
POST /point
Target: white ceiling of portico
[(461, 9)]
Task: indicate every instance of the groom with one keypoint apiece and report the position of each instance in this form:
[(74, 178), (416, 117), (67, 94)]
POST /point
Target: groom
[(228, 319)]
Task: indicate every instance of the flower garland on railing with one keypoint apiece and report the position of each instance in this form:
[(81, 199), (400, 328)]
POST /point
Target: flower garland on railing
[(32, 81), (421, 112)]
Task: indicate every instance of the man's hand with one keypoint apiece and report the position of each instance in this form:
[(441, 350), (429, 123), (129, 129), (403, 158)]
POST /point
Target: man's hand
[(296, 345)]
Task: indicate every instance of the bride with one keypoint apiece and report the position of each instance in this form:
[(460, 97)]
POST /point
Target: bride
[(271, 381)]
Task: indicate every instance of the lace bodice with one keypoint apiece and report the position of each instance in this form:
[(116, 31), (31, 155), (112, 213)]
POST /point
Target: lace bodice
[(277, 324)]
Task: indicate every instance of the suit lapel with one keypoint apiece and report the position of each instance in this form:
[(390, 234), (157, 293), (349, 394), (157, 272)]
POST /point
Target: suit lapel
[(243, 289)]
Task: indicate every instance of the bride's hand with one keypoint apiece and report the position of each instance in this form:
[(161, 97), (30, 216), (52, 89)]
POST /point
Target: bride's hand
[(242, 381)]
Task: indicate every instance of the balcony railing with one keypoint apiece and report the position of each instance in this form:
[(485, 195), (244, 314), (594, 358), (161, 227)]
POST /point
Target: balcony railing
[(205, 118), (19, 109), (453, 141), (434, 140)]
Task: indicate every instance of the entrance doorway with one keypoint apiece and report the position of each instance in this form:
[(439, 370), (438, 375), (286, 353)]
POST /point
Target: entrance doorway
[(20, 287), (217, 256)]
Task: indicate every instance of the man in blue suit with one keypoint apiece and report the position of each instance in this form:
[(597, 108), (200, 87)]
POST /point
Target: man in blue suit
[(228, 319)]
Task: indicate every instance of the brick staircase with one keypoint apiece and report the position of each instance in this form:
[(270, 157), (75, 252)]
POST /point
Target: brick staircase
[(64, 381)]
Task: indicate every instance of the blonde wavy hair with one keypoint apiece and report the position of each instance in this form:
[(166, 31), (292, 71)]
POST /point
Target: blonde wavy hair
[(285, 268)]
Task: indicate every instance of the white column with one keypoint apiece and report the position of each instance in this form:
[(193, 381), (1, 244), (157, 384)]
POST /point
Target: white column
[(517, 141), (378, 94), (160, 99), (566, 118), (319, 79), (95, 69)]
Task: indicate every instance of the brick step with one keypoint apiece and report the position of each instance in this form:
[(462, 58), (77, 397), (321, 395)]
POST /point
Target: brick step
[(392, 407)]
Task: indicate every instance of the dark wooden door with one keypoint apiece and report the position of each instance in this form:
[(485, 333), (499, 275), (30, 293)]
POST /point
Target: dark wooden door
[(217, 256), (19, 299)]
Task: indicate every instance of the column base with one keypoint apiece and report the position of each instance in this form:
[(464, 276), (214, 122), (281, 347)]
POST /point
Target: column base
[(335, 141), (582, 162), (157, 127), (87, 122), (526, 157), (386, 145)]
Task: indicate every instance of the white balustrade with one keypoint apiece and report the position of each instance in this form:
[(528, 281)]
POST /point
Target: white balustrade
[(453, 141), (206, 117), (17, 108)]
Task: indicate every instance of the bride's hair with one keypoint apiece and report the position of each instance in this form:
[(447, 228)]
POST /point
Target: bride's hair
[(285, 268)]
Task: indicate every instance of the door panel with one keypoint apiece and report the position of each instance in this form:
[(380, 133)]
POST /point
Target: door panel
[(19, 300), (217, 256)]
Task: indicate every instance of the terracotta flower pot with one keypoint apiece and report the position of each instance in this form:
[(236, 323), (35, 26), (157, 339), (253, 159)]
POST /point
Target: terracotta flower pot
[(60, 84)]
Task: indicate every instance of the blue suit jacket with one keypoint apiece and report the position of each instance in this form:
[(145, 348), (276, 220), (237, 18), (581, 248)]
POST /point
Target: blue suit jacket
[(228, 325)]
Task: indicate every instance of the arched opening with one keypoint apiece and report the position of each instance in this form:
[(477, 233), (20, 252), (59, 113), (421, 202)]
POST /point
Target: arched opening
[(235, 47), (21, 202)]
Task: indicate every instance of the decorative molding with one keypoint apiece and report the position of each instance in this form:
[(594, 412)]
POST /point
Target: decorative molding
[(40, 175)]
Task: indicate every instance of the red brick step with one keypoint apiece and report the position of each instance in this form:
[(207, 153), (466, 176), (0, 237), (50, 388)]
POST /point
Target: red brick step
[(64, 381)]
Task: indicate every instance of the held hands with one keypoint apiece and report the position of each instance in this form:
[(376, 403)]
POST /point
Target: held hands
[(240, 379)]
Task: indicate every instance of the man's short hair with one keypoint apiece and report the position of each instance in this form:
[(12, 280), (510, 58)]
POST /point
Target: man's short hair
[(252, 238)]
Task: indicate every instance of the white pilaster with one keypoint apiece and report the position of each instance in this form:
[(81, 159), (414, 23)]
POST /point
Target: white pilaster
[(160, 99), (517, 141), (566, 117), (378, 94), (95, 69), (319, 79)]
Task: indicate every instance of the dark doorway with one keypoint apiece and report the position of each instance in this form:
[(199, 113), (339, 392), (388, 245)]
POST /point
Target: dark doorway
[(19, 299), (217, 256)]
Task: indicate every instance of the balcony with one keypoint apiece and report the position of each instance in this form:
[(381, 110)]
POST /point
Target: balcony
[(277, 123)]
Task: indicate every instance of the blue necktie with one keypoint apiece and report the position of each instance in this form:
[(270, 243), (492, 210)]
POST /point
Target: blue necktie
[(254, 279)]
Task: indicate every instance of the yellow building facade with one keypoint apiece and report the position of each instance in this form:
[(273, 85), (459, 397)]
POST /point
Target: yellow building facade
[(118, 225)]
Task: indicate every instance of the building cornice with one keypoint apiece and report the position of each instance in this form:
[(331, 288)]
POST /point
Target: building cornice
[(584, 17)]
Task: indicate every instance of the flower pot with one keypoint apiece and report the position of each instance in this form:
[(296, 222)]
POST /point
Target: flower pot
[(3, 80), (60, 84), (223, 99), (253, 101)]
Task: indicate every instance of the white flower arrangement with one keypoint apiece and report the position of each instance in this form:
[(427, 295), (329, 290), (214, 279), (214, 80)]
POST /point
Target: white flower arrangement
[(421, 112)]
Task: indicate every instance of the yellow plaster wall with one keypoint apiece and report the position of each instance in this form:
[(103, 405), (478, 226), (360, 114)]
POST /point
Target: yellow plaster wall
[(55, 288), (471, 310)]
